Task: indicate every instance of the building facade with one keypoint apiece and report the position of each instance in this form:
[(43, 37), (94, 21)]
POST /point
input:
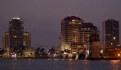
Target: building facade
[(111, 33), (6, 41), (16, 38), (27, 39), (16, 31), (94, 51), (75, 33), (70, 34)]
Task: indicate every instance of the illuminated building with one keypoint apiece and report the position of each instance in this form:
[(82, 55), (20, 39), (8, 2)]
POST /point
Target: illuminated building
[(111, 33), (27, 39), (75, 33), (70, 32), (112, 53), (16, 39), (6, 41)]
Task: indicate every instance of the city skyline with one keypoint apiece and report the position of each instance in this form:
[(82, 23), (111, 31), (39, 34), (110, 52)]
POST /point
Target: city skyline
[(46, 16)]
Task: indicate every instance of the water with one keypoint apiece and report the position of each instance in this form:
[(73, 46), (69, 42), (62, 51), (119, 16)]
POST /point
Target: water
[(46, 64)]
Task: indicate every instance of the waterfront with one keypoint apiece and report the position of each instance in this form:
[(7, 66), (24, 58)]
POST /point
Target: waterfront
[(61, 64)]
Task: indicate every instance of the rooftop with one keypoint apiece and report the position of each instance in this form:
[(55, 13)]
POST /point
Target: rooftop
[(70, 18), (17, 18)]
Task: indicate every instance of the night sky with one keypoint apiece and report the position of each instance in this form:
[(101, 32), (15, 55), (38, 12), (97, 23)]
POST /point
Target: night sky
[(43, 17)]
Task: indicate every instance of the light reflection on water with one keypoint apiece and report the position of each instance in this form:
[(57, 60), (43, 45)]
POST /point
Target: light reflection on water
[(115, 64), (59, 64)]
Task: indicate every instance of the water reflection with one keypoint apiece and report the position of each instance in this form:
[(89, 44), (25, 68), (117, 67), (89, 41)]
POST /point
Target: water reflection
[(115, 64), (77, 65), (59, 64)]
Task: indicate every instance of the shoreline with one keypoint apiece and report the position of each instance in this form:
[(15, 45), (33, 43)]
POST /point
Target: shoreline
[(60, 58)]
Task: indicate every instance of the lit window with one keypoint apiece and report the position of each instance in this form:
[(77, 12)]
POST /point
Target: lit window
[(79, 23), (85, 28), (15, 36), (73, 20)]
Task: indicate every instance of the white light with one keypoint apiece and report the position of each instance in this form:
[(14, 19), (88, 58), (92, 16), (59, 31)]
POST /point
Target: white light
[(74, 52), (101, 51), (73, 20), (15, 36), (16, 18), (87, 51), (14, 55), (114, 38), (79, 23), (65, 53), (111, 43)]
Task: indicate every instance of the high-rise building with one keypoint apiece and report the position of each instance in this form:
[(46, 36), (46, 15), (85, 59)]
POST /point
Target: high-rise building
[(111, 33), (16, 30), (70, 34), (75, 33), (16, 38)]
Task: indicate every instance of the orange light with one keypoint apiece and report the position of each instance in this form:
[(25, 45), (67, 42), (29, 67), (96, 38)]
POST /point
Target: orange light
[(119, 55)]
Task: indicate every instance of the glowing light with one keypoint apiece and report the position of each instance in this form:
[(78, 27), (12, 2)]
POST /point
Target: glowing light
[(101, 51), (119, 54), (74, 52), (77, 56), (65, 53), (15, 36), (111, 43), (115, 61), (79, 23), (114, 38), (29, 54), (89, 28), (16, 18), (14, 55), (87, 51), (118, 45), (73, 20)]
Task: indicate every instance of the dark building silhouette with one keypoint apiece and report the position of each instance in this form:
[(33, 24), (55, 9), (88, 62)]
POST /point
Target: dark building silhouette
[(94, 49), (16, 31), (111, 33)]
